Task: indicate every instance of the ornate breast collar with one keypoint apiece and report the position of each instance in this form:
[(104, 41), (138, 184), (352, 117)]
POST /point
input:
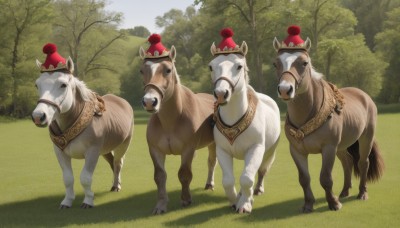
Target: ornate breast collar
[(232, 132), (91, 108), (333, 101)]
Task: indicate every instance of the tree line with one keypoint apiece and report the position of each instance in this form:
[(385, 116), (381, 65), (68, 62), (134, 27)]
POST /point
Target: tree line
[(354, 43)]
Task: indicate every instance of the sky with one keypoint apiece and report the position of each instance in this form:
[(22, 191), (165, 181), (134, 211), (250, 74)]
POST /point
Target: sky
[(144, 12)]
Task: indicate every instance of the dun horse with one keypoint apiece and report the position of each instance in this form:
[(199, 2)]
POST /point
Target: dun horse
[(181, 123), (247, 123), (82, 124), (323, 119)]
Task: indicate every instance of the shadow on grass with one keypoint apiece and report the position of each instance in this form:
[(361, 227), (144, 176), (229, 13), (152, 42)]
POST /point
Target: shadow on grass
[(44, 212)]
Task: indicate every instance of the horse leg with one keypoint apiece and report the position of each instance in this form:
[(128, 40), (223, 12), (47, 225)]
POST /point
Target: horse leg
[(185, 176), (91, 158), (365, 145), (347, 164), (68, 177), (212, 162), (228, 180), (252, 162), (304, 178), (328, 159), (160, 177), (268, 160), (109, 157), (119, 155)]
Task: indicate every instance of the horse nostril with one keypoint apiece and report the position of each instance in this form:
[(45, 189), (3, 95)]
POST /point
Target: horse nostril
[(215, 95), (155, 102), (43, 117), (226, 94), (143, 102), (279, 92), (290, 90)]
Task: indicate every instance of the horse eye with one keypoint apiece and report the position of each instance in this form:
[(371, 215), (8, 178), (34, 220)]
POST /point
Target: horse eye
[(274, 64), (210, 68), (141, 71), (305, 63), (63, 85), (36, 86), (239, 67), (168, 71)]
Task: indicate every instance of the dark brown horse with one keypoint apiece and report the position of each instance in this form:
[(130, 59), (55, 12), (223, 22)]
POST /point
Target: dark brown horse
[(181, 124), (326, 120)]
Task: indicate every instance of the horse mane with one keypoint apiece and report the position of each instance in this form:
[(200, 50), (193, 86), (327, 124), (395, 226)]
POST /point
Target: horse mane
[(177, 77), (83, 90), (314, 74)]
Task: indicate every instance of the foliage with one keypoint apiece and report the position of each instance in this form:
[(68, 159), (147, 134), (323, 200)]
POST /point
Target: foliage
[(139, 31), (388, 47)]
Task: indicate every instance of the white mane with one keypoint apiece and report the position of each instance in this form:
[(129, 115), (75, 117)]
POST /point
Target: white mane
[(84, 91)]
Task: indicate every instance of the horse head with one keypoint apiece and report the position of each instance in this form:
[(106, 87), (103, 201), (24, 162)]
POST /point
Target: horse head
[(159, 79), (228, 74), (56, 94), (294, 70)]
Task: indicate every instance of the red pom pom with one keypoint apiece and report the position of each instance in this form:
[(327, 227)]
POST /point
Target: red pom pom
[(226, 32), (49, 48), (294, 30), (154, 38)]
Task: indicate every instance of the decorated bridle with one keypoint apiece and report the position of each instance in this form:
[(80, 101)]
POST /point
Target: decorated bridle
[(297, 80), (52, 103), (158, 88)]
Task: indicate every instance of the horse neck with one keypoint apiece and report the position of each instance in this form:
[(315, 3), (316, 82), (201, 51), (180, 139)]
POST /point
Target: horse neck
[(171, 108), (231, 112), (67, 119), (306, 105)]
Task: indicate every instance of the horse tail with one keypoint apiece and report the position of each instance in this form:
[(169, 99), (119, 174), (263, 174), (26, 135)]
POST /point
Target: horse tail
[(376, 163)]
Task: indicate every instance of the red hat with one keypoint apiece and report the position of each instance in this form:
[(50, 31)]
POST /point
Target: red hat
[(54, 61), (227, 45), (156, 49), (293, 40)]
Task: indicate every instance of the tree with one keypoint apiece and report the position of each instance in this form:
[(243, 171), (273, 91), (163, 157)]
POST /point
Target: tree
[(139, 31), (388, 48), (20, 18), (88, 31)]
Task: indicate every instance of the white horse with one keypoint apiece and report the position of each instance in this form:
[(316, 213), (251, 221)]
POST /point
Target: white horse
[(83, 126), (247, 127)]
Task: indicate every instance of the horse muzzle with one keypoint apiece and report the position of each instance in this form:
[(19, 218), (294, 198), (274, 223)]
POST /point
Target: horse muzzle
[(40, 119)]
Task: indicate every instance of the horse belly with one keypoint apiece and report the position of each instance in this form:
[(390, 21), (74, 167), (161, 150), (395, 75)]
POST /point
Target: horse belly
[(76, 149)]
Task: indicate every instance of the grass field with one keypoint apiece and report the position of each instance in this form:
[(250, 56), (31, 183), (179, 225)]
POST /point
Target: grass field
[(32, 188)]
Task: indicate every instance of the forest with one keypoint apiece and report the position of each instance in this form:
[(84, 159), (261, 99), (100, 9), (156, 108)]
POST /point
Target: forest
[(354, 43)]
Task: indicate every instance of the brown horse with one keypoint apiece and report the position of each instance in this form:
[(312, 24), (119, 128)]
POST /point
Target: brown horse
[(323, 119), (181, 124)]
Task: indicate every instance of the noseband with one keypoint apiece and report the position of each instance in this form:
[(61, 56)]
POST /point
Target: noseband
[(230, 82), (156, 88), (52, 103)]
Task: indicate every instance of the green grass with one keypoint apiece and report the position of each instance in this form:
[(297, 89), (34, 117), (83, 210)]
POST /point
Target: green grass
[(32, 188)]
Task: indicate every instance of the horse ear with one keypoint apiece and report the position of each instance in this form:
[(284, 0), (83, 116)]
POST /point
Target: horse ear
[(276, 44), (172, 53), (213, 49), (244, 48), (142, 53), (307, 44), (38, 64), (70, 65)]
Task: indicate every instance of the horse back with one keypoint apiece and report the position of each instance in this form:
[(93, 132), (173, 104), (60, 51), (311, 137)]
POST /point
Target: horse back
[(115, 123)]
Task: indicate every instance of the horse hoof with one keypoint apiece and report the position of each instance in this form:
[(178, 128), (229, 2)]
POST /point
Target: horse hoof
[(115, 189), (64, 207), (335, 207), (209, 187), (362, 196), (186, 203), (86, 206), (307, 210), (158, 211), (344, 194), (258, 192)]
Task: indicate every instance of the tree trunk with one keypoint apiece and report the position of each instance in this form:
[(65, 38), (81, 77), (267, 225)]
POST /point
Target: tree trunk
[(13, 73)]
